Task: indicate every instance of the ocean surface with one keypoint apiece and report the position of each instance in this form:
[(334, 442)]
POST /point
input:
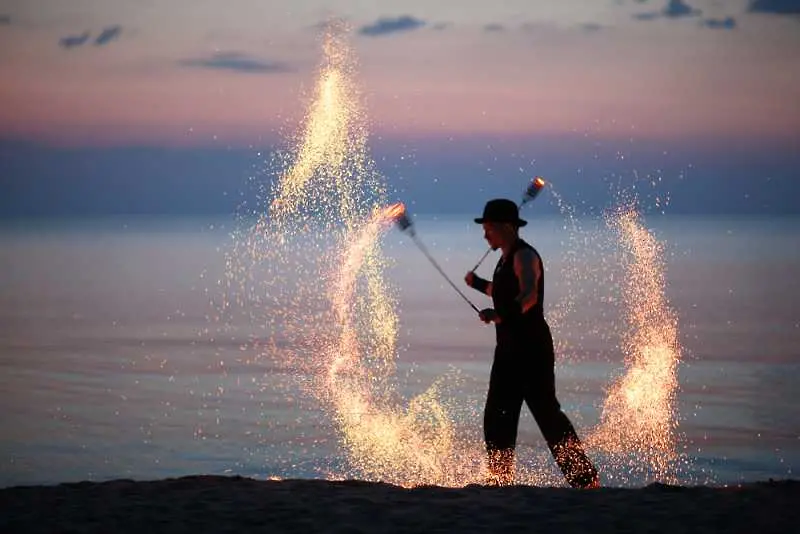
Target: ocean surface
[(115, 361)]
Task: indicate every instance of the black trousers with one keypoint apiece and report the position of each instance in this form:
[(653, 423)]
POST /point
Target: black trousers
[(524, 370)]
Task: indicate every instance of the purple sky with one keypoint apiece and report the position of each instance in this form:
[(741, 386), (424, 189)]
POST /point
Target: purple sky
[(440, 80), (181, 72)]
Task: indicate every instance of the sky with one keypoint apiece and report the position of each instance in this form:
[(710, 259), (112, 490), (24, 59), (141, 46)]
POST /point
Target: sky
[(103, 95)]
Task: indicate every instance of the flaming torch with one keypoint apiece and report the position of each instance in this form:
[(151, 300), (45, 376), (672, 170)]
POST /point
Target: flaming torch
[(533, 190), (397, 212)]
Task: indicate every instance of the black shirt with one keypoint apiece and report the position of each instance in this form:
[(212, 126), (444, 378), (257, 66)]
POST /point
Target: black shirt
[(515, 328)]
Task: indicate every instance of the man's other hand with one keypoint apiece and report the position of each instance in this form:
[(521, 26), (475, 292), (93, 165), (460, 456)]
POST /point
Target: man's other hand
[(488, 315)]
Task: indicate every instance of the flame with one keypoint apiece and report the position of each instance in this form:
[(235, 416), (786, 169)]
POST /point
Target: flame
[(539, 182), (395, 211)]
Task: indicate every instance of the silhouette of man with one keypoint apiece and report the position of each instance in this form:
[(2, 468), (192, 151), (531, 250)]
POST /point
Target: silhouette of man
[(524, 359)]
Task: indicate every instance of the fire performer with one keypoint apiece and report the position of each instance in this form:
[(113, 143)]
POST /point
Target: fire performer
[(524, 357)]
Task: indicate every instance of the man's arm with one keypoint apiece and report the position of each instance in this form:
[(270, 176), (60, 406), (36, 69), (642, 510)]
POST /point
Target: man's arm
[(529, 273)]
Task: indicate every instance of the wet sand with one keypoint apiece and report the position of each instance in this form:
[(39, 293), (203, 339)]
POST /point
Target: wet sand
[(241, 505)]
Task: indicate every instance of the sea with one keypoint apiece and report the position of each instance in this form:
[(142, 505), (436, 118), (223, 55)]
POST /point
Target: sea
[(115, 361)]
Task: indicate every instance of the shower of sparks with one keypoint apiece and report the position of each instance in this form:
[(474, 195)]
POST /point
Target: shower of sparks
[(330, 168), (638, 418), (386, 441), (617, 271), (315, 267), (310, 272)]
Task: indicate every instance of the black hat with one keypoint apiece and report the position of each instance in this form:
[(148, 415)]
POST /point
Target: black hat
[(501, 210)]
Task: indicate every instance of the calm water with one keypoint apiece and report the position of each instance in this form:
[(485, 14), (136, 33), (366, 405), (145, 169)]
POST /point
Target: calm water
[(111, 363)]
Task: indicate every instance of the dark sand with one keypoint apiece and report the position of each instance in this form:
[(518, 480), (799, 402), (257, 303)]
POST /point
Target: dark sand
[(241, 505)]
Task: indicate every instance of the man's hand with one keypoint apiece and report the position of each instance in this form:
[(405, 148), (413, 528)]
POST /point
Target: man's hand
[(469, 278), (488, 315), (478, 284)]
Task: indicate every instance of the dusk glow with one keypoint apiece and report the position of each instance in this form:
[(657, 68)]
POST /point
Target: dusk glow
[(177, 73)]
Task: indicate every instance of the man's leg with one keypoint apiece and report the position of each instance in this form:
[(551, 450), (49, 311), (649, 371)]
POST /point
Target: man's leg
[(500, 421), (557, 429), (562, 439)]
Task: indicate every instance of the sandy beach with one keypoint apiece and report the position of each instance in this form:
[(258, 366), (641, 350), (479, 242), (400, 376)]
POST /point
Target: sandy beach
[(234, 504)]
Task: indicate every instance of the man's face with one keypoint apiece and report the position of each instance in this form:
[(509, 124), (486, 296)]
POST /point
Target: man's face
[(496, 234)]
